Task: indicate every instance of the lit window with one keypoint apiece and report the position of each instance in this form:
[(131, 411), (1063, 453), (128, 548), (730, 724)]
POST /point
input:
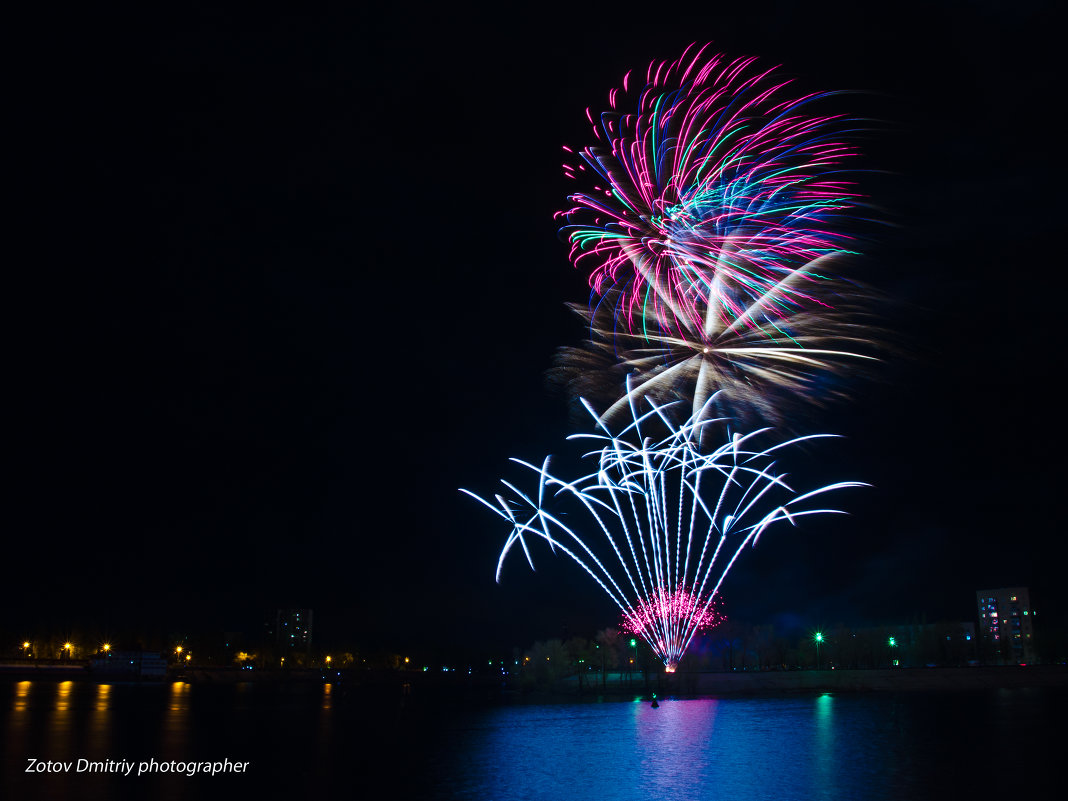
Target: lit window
[(1013, 598)]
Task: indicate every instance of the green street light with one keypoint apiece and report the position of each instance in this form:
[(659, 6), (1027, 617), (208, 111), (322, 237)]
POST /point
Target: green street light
[(818, 638), (891, 642)]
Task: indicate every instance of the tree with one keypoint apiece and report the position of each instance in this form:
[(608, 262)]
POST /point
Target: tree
[(581, 653), (609, 642), (545, 663)]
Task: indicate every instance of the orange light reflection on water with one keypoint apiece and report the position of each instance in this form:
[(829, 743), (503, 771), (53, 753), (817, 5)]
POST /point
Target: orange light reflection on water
[(103, 697), (179, 699), (328, 701), (63, 690), (22, 695)]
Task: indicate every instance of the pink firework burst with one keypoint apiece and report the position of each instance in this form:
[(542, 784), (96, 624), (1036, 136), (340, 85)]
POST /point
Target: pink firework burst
[(668, 620), (712, 216), (700, 202)]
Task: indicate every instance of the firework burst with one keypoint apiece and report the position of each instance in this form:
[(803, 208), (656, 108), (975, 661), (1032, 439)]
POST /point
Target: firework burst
[(666, 612), (753, 378), (710, 221), (669, 514)]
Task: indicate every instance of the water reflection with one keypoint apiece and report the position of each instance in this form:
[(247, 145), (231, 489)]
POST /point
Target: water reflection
[(325, 730), (62, 719), (63, 690), (784, 748), (20, 712), (823, 744), (178, 700), (176, 720), (103, 696), (324, 743), (668, 738), (328, 700), (22, 696)]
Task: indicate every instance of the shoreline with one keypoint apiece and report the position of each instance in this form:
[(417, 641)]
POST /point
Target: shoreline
[(941, 679), (408, 683)]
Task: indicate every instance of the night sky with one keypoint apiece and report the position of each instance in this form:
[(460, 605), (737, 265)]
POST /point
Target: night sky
[(279, 285)]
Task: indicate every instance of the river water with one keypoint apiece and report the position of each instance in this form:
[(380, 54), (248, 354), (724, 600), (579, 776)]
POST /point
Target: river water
[(307, 741)]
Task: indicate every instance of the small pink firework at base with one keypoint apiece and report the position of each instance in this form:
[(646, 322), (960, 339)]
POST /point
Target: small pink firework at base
[(668, 619)]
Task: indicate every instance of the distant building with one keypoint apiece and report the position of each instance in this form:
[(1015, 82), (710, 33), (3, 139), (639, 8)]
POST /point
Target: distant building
[(1005, 622), (293, 628)]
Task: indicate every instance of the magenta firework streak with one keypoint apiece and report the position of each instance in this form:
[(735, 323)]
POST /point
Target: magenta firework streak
[(712, 205), (666, 614)]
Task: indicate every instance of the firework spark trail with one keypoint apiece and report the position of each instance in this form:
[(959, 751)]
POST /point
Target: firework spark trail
[(721, 185), (674, 608), (709, 221), (635, 558)]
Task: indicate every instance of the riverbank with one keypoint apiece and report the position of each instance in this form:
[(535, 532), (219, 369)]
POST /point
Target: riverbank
[(805, 681), (418, 683)]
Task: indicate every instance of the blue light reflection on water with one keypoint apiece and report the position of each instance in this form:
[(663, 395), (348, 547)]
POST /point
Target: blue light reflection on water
[(311, 741), (783, 748)]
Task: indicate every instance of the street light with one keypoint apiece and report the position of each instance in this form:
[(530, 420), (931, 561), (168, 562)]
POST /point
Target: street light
[(818, 638), (892, 643)]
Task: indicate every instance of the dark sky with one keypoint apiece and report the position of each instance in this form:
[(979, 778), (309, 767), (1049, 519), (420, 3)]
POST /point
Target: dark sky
[(280, 284)]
